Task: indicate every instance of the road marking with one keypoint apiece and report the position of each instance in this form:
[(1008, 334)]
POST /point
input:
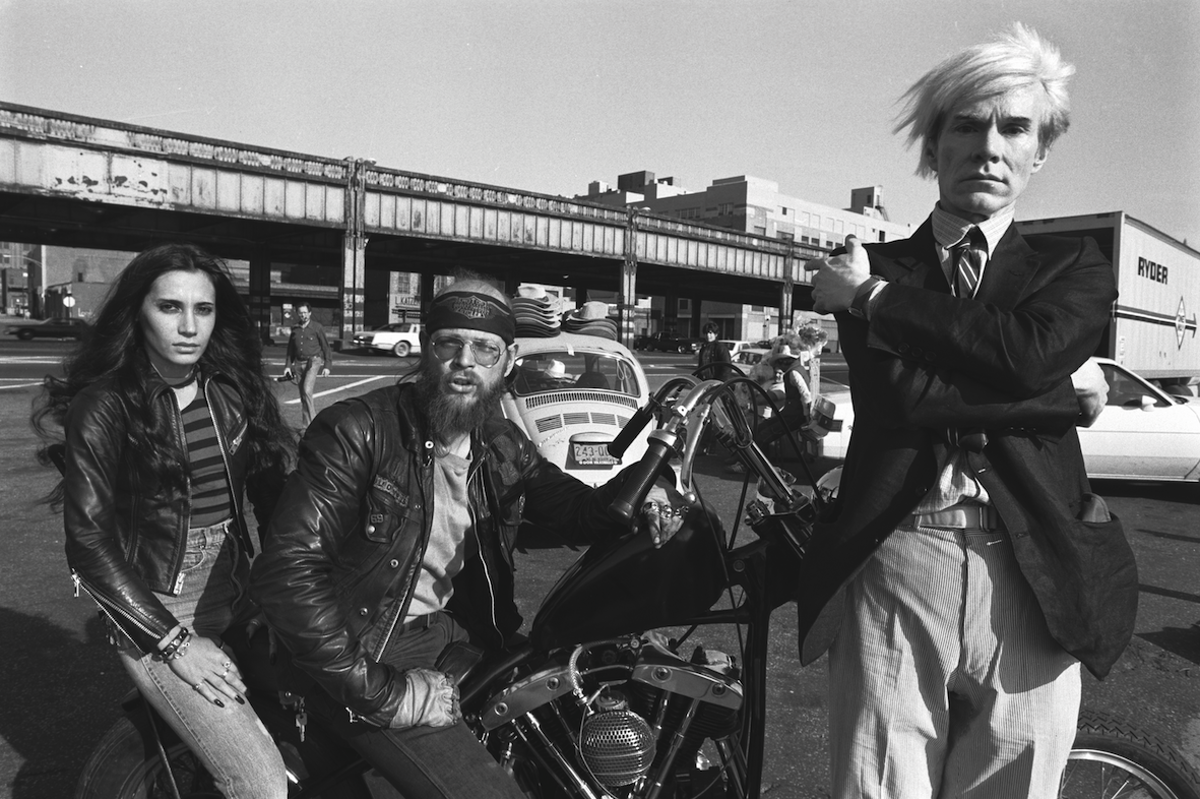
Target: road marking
[(341, 388)]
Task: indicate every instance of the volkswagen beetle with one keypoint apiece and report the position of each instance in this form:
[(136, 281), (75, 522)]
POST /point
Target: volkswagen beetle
[(572, 394)]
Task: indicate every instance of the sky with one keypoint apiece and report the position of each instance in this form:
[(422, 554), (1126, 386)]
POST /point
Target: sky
[(550, 95)]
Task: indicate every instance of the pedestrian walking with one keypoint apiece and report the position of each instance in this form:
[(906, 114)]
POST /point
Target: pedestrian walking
[(307, 356)]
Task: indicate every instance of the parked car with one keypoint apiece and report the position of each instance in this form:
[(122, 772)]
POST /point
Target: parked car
[(663, 341), (1143, 433), (49, 328), (749, 356), (735, 345), (399, 338), (573, 394)]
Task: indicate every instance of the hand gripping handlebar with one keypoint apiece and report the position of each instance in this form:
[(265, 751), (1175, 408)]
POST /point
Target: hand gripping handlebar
[(641, 478)]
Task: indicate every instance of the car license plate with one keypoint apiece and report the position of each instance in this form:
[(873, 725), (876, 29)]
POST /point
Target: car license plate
[(592, 455)]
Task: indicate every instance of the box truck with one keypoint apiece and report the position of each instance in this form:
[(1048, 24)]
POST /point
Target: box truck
[(1152, 325)]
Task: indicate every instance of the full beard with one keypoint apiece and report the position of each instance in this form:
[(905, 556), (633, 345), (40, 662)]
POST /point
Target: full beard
[(449, 415)]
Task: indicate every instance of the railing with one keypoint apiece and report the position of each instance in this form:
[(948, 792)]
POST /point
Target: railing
[(23, 122)]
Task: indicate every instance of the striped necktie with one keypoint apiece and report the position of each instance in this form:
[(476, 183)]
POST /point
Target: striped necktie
[(970, 255)]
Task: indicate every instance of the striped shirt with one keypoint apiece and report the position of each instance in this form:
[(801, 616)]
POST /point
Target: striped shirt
[(209, 483)]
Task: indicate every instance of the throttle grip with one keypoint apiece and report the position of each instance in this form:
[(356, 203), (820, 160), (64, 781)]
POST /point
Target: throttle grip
[(632, 429), (642, 476)]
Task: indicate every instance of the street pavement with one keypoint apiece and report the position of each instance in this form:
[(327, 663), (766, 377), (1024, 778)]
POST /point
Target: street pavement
[(61, 685)]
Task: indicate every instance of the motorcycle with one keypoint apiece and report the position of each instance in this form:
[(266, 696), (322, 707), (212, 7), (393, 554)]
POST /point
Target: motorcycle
[(612, 696)]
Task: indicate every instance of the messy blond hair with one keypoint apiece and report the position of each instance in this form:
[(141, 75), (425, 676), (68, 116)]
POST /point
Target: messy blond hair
[(1014, 60)]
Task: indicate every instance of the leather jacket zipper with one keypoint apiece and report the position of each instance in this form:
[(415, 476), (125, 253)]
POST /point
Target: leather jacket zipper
[(109, 607), (185, 519), (223, 445), (411, 578), (473, 477)]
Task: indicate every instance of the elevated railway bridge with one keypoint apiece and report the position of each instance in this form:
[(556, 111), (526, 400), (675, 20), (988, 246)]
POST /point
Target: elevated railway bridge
[(81, 182)]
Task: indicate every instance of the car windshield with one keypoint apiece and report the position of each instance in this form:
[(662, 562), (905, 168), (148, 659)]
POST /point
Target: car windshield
[(1126, 390), (559, 370), (397, 327)]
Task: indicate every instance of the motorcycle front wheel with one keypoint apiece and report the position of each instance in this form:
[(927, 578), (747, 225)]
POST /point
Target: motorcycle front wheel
[(126, 766), (1112, 759)]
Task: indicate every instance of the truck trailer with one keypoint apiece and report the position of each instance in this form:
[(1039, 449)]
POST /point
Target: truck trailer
[(1152, 325)]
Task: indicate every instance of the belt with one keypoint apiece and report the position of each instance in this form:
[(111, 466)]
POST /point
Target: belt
[(958, 517), (422, 622), (219, 527)]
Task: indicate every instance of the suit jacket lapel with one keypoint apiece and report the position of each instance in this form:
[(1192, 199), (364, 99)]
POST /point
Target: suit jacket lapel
[(914, 261), (1008, 271)]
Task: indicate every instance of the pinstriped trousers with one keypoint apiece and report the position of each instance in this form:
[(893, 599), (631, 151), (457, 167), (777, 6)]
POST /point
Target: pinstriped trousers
[(944, 680)]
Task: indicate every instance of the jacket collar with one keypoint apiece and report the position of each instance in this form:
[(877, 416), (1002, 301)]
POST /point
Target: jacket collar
[(155, 385), (1009, 268)]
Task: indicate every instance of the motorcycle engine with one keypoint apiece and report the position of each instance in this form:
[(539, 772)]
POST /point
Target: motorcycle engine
[(616, 744)]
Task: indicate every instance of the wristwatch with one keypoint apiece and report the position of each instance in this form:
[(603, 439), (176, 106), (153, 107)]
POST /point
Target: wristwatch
[(858, 308)]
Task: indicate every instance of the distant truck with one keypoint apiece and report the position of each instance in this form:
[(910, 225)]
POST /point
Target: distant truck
[(663, 341), (1152, 329)]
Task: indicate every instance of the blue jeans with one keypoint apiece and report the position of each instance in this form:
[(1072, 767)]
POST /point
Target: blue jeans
[(308, 381), (423, 762), (231, 741)]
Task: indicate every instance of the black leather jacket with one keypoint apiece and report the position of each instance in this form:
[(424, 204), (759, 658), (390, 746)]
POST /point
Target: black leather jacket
[(340, 559), (123, 542)]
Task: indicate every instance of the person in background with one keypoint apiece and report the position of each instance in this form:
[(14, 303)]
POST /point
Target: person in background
[(791, 357), (714, 355), (169, 423), (308, 352), (974, 565), (393, 547)]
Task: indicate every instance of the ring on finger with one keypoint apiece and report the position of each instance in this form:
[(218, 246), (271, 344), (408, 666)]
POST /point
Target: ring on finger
[(197, 686)]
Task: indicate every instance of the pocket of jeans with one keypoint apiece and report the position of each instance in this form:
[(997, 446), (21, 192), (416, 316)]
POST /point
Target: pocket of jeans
[(194, 558)]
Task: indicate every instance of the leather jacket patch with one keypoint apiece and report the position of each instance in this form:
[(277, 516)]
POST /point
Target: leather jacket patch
[(391, 489)]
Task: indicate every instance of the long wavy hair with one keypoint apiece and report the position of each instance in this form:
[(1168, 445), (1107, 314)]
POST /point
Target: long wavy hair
[(115, 348)]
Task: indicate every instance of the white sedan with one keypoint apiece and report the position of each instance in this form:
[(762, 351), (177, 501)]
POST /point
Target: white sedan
[(573, 394), (399, 338), (1143, 433)]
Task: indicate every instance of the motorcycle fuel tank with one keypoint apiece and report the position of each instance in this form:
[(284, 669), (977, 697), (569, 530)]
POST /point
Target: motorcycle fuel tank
[(627, 585)]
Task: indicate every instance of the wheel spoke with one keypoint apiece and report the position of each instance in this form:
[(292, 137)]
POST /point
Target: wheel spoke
[(1091, 774)]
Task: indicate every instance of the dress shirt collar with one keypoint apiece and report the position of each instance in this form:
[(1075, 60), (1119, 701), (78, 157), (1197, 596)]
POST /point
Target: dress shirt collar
[(949, 229)]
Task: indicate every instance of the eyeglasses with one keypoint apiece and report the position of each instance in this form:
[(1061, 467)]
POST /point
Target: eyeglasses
[(485, 352)]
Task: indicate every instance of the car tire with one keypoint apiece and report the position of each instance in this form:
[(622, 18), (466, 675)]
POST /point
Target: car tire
[(402, 349), (25, 335)]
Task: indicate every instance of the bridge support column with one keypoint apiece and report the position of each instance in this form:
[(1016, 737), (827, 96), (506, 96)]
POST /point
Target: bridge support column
[(627, 298), (627, 303), (426, 293), (697, 320), (787, 293), (354, 248), (354, 275), (260, 292), (671, 312), (511, 283)]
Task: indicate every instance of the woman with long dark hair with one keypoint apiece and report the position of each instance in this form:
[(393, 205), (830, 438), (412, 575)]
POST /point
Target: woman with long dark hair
[(168, 422)]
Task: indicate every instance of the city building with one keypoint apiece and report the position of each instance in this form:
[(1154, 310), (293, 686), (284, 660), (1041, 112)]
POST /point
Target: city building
[(751, 205)]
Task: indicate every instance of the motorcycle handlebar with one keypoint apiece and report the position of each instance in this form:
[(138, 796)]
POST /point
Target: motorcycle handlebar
[(631, 430), (641, 478)]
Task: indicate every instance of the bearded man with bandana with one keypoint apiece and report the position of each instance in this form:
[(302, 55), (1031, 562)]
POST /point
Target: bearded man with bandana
[(391, 548)]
